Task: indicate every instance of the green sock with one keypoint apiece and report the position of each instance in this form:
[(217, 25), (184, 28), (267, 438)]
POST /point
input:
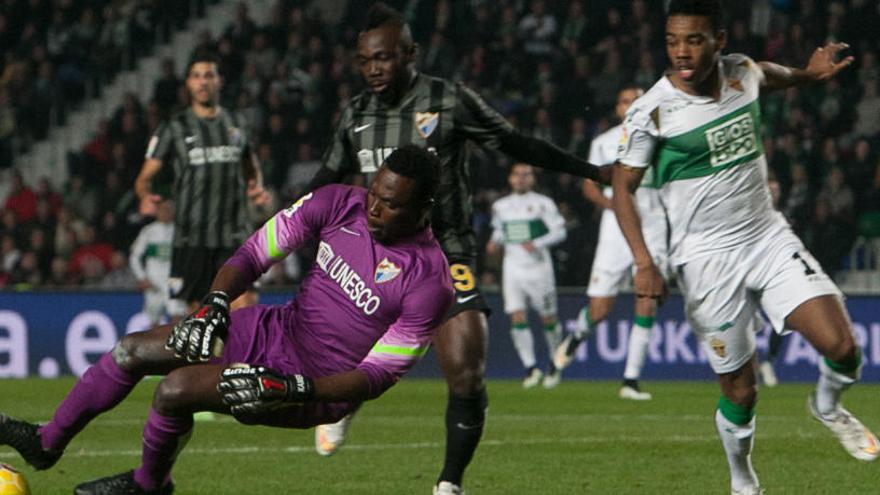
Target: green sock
[(735, 413)]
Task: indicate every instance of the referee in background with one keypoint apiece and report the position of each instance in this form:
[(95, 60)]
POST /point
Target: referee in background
[(205, 153)]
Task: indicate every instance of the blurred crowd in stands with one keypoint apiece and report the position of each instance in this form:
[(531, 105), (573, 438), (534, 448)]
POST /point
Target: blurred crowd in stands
[(553, 67)]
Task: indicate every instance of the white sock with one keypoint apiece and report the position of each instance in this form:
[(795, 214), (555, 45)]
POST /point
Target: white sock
[(553, 337), (583, 324), (525, 345), (639, 338), (738, 441), (830, 387)]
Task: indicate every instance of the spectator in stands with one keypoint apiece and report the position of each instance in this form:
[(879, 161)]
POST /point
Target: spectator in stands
[(45, 192), (68, 230), (242, 29), (537, 29), (828, 239), (81, 199), (27, 273), (838, 195), (21, 200), (872, 195), (9, 225), (91, 249), (797, 205), (59, 276), (9, 253), (166, 87), (868, 111), (39, 245), (439, 56), (7, 127), (119, 276), (45, 219)]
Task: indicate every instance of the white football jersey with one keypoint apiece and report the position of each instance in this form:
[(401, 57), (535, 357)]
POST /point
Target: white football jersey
[(708, 160), (153, 244), (603, 151), (519, 218)]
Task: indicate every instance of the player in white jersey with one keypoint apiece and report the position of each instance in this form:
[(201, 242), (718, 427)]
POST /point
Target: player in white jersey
[(526, 224), (699, 128), (613, 262), (150, 261)]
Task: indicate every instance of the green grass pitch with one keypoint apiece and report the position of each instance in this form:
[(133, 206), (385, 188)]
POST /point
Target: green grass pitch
[(578, 438)]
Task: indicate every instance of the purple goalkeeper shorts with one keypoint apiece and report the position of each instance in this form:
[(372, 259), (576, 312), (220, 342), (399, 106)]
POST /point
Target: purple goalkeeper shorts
[(262, 335)]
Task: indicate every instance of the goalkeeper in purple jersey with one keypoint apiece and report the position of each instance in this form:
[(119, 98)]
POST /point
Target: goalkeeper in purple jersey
[(365, 314)]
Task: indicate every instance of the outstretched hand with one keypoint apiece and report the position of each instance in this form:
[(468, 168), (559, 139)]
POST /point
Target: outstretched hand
[(823, 64), (256, 193)]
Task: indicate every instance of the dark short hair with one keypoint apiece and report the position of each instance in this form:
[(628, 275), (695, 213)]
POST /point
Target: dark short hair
[(201, 56), (381, 14), (703, 8), (418, 164)]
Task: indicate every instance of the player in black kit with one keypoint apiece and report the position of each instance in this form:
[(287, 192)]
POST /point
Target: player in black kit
[(404, 107)]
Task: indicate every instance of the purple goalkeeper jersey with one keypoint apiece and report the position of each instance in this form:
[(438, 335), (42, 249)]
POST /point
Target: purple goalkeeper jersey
[(363, 305)]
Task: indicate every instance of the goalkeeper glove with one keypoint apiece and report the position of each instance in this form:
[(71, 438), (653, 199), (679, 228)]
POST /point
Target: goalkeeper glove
[(194, 337), (252, 390)]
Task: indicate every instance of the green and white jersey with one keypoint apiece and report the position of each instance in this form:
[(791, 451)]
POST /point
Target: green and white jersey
[(603, 152), (150, 256), (521, 218), (708, 160)]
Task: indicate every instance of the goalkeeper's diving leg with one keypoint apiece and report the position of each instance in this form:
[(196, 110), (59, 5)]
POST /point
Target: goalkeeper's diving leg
[(101, 388)]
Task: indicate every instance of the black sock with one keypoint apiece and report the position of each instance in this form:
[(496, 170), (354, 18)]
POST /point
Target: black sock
[(464, 426), (775, 346), (633, 384)]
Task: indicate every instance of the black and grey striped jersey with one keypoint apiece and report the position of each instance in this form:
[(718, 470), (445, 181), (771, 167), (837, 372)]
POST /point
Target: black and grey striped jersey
[(209, 184), (439, 115)]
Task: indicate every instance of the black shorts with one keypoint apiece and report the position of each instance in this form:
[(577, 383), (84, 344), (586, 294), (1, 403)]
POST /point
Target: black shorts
[(467, 290), (193, 271)]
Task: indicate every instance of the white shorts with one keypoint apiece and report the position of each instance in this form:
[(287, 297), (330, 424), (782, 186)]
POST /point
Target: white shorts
[(613, 263), (723, 291), (158, 304), (539, 293)]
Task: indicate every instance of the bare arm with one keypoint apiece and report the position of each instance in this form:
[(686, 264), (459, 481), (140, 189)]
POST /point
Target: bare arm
[(143, 187), (350, 386), (594, 194), (821, 67), (254, 175), (648, 281)]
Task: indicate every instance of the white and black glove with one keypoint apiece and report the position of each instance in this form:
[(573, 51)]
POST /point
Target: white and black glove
[(199, 336), (253, 390)]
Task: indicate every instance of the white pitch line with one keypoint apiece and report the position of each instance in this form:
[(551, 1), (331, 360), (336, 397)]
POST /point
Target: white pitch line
[(428, 445), (221, 418)]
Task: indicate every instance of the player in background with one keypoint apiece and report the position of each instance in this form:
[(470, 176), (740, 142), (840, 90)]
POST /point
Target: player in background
[(699, 127), (526, 225), (205, 151), (613, 262), (402, 106), (364, 315), (150, 261), (774, 340)]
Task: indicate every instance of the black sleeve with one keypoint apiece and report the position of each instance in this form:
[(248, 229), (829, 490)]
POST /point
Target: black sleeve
[(337, 161), (481, 123), (478, 121), (325, 175), (161, 145), (542, 154)]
